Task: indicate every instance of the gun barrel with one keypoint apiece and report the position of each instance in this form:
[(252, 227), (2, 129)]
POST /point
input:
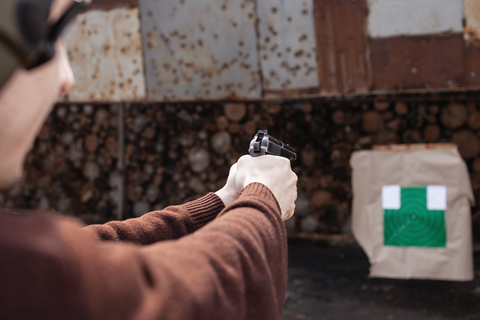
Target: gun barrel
[(263, 144)]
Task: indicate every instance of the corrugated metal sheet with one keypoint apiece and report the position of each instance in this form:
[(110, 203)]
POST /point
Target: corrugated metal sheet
[(287, 44), (208, 50), (388, 18), (472, 21), (343, 56), (105, 52), (200, 49)]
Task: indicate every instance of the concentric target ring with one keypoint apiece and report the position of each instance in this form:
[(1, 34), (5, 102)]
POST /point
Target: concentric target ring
[(413, 224)]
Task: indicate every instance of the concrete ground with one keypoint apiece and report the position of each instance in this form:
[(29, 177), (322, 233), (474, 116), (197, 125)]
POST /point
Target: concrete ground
[(331, 282)]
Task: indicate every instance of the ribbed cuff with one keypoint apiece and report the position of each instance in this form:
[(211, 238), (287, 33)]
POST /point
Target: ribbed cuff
[(205, 209), (260, 192)]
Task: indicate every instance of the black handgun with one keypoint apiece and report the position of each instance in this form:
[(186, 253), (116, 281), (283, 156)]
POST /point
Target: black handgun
[(263, 144)]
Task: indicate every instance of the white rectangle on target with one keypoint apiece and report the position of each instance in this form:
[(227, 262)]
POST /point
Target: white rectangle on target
[(391, 197), (436, 198)]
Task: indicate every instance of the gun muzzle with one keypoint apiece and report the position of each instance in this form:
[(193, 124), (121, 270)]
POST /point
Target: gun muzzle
[(263, 144)]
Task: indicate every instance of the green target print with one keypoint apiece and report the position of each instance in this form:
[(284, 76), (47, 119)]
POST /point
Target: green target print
[(414, 216)]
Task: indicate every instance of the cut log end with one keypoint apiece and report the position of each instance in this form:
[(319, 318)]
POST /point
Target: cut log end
[(372, 121), (454, 115), (467, 143), (235, 111)]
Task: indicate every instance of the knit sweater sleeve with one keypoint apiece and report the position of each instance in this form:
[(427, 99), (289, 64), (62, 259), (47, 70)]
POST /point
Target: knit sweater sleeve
[(233, 268), (170, 223)]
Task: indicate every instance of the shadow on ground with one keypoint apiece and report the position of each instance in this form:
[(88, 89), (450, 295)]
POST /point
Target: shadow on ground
[(331, 282)]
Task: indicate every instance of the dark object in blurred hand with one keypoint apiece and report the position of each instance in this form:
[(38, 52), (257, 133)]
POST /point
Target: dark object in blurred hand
[(263, 144)]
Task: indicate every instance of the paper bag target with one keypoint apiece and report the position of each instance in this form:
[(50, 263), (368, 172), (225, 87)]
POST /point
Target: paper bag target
[(411, 212)]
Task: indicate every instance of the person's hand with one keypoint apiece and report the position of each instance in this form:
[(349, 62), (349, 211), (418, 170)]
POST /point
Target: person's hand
[(274, 172), (229, 192)]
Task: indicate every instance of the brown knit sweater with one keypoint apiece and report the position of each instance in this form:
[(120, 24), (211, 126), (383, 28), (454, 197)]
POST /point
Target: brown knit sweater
[(169, 264)]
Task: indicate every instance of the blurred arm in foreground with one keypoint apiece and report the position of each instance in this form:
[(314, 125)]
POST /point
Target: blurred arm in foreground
[(233, 268), (171, 223), (227, 262)]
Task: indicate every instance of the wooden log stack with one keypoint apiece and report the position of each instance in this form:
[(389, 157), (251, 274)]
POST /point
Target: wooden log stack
[(72, 167), (178, 152)]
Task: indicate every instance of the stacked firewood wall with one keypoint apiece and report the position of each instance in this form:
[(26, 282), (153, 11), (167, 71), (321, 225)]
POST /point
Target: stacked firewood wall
[(72, 164), (174, 153)]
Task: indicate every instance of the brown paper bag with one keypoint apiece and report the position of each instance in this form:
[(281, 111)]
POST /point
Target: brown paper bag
[(411, 212)]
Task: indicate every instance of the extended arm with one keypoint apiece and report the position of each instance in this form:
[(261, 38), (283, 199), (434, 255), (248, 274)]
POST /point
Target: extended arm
[(233, 268), (171, 223)]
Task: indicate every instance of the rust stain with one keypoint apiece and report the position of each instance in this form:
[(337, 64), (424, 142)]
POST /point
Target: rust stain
[(472, 65), (472, 22), (105, 52), (112, 4), (200, 50), (472, 35), (342, 52), (419, 62), (287, 44), (290, 93)]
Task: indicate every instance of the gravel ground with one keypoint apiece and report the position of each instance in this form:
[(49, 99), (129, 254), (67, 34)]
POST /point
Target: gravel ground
[(331, 282)]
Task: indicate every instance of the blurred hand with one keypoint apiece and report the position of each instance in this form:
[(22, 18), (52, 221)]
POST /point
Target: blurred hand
[(274, 172), (229, 193)]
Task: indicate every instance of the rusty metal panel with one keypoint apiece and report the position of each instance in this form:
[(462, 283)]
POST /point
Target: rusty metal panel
[(200, 50), (472, 66), (343, 57), (472, 21), (261, 49), (111, 4), (472, 47), (421, 62), (389, 18), (287, 44), (105, 52)]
